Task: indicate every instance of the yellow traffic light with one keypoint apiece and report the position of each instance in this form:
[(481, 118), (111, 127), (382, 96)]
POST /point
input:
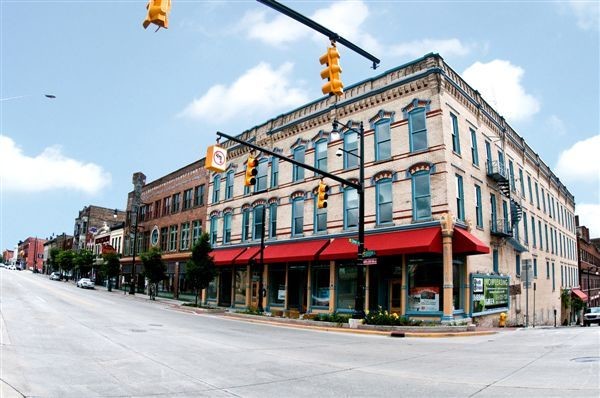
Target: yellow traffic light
[(158, 11), (332, 72), (322, 195), (251, 171)]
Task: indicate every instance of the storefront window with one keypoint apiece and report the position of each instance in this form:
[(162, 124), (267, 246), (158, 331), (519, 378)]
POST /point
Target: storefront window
[(276, 285), (457, 278), (425, 276), (211, 290), (346, 287), (240, 286), (320, 286)]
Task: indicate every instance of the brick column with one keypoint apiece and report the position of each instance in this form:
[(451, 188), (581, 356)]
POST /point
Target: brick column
[(447, 231)]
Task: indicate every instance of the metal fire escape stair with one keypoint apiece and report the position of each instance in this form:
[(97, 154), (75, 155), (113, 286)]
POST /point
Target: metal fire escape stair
[(497, 172)]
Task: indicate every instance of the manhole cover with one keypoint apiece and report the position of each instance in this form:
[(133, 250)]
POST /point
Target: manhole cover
[(586, 359), (138, 330)]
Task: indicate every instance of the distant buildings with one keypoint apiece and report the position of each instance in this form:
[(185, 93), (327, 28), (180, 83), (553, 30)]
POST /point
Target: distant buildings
[(90, 219), (589, 267), (31, 254)]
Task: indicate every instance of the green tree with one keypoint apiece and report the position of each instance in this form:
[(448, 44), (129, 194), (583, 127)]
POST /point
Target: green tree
[(53, 258), (66, 261), (200, 268), (110, 267), (154, 267), (84, 260)]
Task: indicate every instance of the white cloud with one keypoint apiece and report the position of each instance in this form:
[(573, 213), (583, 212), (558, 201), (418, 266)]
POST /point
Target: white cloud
[(47, 171), (589, 215), (556, 125), (580, 162), (499, 82), (586, 12), (282, 30), (261, 91), (418, 48)]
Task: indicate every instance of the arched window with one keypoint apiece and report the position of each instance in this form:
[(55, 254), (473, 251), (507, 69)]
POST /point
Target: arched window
[(273, 220), (421, 195), (417, 129), (297, 216), (320, 218), (350, 208), (321, 154), (227, 228), (229, 185), (258, 221), (298, 172), (216, 188), (383, 142), (213, 229), (351, 149), (384, 201), (261, 177), (274, 172), (245, 224)]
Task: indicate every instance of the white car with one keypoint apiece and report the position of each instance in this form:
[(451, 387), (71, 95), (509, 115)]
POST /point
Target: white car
[(12, 267), (85, 283)]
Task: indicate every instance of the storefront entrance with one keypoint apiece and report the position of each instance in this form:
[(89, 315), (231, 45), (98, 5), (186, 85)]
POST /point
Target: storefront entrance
[(297, 287), (395, 296), (225, 288)]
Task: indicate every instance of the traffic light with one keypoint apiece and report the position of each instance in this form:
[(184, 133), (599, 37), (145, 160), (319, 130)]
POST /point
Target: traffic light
[(332, 72), (322, 195), (158, 11), (251, 171)]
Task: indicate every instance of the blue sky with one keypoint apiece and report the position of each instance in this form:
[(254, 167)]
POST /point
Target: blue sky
[(129, 99)]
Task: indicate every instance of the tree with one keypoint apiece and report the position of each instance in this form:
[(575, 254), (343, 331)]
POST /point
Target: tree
[(53, 258), (84, 260), (66, 261), (154, 268), (200, 268), (110, 267)]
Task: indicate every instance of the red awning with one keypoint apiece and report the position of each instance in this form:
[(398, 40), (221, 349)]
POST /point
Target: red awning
[(425, 240), (226, 256), (297, 251), (247, 255), (580, 294), (463, 242)]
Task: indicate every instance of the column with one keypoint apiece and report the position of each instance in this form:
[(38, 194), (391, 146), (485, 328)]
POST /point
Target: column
[(331, 286), (404, 285), (447, 231), (176, 281)]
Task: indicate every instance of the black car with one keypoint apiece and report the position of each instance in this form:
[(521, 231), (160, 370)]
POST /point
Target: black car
[(592, 315)]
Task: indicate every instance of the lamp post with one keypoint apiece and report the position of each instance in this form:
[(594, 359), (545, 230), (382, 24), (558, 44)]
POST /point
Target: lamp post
[(134, 243), (359, 299)]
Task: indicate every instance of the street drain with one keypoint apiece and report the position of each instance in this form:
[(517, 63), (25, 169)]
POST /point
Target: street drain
[(138, 330), (586, 359)]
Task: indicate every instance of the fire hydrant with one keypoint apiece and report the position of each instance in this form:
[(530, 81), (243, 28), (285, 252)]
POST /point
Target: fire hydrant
[(502, 320)]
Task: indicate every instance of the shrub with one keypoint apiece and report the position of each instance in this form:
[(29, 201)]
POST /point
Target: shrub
[(335, 318), (381, 317)]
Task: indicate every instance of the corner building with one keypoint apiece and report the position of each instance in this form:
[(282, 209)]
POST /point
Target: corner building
[(457, 208)]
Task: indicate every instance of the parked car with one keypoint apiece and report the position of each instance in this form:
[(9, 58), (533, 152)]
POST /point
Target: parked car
[(12, 267), (55, 276), (592, 315), (85, 283)]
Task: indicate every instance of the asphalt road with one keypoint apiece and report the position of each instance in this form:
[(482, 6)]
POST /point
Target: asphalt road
[(61, 341)]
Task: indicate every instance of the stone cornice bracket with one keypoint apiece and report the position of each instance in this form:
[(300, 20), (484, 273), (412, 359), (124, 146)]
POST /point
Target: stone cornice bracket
[(447, 224)]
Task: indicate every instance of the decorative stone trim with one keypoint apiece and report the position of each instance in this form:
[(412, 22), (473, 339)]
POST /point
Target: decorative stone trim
[(421, 166), (214, 213), (382, 175), (414, 104), (259, 202), (273, 200), (318, 137), (381, 115), (227, 210), (297, 143), (298, 194), (246, 206)]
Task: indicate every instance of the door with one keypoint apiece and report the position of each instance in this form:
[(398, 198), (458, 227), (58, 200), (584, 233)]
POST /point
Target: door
[(396, 296)]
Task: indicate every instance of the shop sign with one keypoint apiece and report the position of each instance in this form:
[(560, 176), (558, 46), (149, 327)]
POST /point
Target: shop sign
[(489, 293), (424, 299), (370, 261)]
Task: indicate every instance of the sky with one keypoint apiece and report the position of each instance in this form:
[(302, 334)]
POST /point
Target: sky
[(129, 99)]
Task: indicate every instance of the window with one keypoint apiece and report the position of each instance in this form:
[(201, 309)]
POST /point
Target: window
[(320, 285), (351, 150), (298, 172), (261, 176), (229, 185), (417, 129), (297, 216), (537, 196), (184, 242), (455, 134), (383, 191), (474, 153), (522, 182), (321, 155), (495, 260), (505, 215), (245, 225), (320, 218), (173, 238), (543, 200), (213, 230), (350, 208), (164, 239), (176, 201), (494, 215), (511, 174), (535, 267), (383, 143), (547, 270), (540, 232), (460, 198), (166, 206), (274, 172), (216, 188), (530, 190), (157, 208), (199, 195), (421, 195), (478, 209), (525, 231), (546, 233), (488, 152), (187, 198), (227, 228), (196, 231), (273, 220), (518, 264), (258, 219), (533, 231)]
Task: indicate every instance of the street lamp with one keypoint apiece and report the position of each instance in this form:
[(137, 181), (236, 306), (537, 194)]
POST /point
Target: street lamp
[(359, 299)]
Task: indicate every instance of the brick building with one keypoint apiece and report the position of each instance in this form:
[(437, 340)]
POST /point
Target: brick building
[(7, 255), (589, 267), (62, 242), (170, 217), (31, 254), (456, 204), (91, 218)]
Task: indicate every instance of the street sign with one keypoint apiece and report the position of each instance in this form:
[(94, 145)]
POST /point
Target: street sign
[(370, 261), (216, 158), (369, 253)]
